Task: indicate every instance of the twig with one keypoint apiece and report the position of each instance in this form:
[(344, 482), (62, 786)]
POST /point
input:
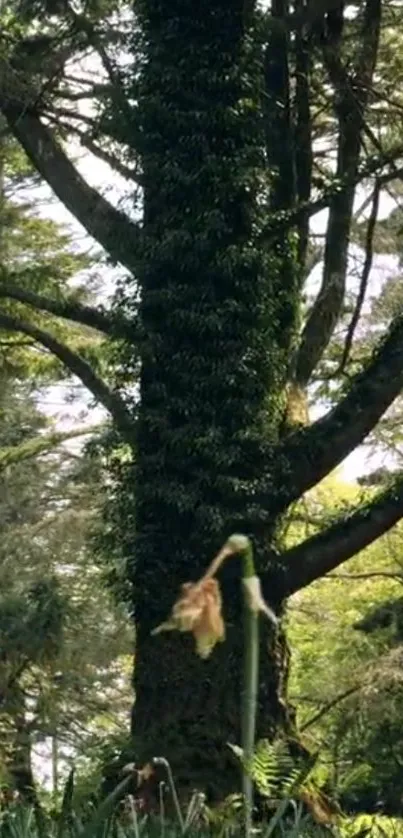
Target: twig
[(330, 704)]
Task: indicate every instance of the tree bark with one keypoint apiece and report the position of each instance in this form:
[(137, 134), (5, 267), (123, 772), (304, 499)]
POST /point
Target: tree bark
[(17, 746), (188, 710), (220, 318)]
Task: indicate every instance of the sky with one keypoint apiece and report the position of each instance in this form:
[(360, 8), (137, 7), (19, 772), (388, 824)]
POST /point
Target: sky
[(99, 175)]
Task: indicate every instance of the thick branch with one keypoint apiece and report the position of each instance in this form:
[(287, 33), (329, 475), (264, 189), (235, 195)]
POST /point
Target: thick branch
[(110, 227), (279, 139), (350, 104), (71, 310), (369, 250), (303, 134), (313, 452), (326, 310), (320, 554), (79, 367)]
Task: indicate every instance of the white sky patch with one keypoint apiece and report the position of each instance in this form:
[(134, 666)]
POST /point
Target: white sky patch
[(56, 402)]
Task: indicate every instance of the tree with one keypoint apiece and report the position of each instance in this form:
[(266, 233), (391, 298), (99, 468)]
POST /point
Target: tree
[(237, 125), (63, 639), (346, 680)]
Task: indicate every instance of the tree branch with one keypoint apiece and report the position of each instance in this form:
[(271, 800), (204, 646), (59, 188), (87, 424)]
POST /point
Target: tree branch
[(330, 705), (79, 367), (369, 250), (71, 310), (374, 164), (110, 227), (83, 24), (326, 309), (72, 121), (303, 133), (376, 574), (351, 100), (40, 445), (322, 553), (108, 158), (311, 453)]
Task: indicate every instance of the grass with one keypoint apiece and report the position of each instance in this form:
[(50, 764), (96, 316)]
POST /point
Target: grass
[(117, 817)]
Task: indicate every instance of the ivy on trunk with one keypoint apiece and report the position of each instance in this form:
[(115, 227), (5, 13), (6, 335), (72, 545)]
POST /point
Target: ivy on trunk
[(220, 323)]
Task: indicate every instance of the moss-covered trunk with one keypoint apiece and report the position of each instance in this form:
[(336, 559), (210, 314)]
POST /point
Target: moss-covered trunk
[(219, 313)]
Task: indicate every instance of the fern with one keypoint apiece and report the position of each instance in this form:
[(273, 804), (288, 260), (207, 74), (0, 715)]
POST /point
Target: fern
[(273, 770), (285, 783)]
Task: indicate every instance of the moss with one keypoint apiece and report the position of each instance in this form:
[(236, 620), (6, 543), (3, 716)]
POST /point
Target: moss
[(297, 413)]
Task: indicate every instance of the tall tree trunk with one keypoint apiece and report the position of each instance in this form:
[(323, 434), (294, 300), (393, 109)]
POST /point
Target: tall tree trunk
[(18, 746), (219, 313), (55, 765)]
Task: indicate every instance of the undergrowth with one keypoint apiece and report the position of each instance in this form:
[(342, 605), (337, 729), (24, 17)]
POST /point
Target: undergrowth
[(288, 814)]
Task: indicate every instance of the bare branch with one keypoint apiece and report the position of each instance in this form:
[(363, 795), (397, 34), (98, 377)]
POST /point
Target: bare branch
[(322, 553), (71, 310), (330, 704), (79, 367), (369, 251), (72, 121), (374, 165), (111, 159), (83, 24), (88, 90)]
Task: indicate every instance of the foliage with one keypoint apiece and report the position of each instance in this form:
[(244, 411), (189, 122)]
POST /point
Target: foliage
[(63, 642), (346, 680), (40, 256), (274, 770), (118, 814), (234, 129)]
